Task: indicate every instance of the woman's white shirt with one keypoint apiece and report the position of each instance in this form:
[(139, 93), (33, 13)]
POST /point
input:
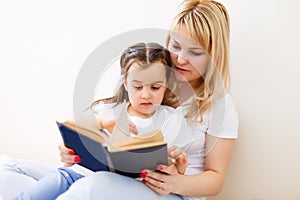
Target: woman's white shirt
[(221, 122)]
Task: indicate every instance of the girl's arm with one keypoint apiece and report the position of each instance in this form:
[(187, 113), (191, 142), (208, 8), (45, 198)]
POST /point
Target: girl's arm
[(178, 158)]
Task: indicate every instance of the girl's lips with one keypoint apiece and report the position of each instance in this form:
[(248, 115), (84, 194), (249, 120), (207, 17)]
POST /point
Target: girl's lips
[(146, 104)]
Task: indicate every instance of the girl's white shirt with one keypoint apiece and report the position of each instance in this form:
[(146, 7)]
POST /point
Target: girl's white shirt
[(167, 119)]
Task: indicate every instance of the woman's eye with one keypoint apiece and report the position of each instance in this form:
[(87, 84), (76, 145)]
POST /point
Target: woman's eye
[(176, 47), (196, 53)]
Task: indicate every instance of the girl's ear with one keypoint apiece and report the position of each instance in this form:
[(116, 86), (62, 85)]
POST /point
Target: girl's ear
[(124, 83)]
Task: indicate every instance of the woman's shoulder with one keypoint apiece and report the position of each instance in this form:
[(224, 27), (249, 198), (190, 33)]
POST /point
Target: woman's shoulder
[(224, 104), (224, 118)]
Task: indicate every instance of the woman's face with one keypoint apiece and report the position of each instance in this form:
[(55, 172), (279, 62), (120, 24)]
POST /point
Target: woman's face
[(189, 59)]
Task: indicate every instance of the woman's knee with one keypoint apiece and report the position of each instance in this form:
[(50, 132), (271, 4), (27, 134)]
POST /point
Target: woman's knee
[(6, 164), (103, 179)]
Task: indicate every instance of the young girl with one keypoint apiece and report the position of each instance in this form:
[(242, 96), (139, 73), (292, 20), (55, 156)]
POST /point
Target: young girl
[(145, 76)]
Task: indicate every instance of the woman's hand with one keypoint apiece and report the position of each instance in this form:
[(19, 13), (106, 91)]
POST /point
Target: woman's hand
[(179, 158), (165, 181), (68, 156), (168, 178)]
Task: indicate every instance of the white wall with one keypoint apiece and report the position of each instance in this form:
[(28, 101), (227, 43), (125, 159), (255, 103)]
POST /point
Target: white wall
[(43, 45)]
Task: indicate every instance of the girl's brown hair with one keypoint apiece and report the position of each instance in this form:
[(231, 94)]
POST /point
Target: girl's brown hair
[(142, 54)]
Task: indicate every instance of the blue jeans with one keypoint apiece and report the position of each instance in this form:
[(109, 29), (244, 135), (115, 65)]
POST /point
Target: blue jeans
[(50, 186), (106, 185), (17, 175)]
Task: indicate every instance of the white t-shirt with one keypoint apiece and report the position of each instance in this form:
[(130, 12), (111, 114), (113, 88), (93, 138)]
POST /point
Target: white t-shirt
[(167, 119), (221, 122)]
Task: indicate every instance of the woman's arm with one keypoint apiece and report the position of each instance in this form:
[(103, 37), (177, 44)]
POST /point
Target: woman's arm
[(67, 156), (208, 183)]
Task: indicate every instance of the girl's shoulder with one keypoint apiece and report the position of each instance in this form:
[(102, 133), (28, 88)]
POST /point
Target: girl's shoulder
[(162, 109), (108, 109)]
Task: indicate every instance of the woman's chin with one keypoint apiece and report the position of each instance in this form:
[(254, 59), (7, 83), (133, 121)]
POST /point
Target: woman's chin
[(180, 78)]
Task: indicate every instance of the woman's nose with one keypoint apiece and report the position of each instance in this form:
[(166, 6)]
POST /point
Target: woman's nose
[(181, 59)]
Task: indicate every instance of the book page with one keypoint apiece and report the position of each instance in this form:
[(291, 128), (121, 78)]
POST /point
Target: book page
[(121, 129), (91, 133)]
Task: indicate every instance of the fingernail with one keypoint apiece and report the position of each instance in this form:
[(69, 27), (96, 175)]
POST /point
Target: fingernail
[(144, 172), (71, 152), (142, 175), (159, 167), (144, 181), (77, 159)]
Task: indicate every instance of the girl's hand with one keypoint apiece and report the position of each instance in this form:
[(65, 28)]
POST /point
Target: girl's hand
[(67, 156), (109, 124), (178, 158), (164, 182)]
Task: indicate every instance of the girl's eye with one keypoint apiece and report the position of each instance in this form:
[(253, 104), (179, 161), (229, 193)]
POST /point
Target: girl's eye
[(155, 87), (137, 87)]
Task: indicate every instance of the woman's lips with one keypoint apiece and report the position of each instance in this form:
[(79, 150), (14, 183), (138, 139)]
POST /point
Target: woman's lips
[(180, 70)]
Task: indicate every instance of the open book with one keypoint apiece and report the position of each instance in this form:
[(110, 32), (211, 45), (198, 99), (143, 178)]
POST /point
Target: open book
[(117, 152)]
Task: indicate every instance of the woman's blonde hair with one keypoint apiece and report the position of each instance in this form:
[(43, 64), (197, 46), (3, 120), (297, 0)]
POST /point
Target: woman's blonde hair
[(207, 23)]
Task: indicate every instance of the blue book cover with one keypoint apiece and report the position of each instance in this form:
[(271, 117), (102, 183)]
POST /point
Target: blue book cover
[(127, 157)]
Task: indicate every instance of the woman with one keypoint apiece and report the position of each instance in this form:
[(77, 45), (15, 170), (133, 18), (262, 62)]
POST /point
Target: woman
[(199, 46)]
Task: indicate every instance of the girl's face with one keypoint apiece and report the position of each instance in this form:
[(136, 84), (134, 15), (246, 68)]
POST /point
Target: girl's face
[(146, 87), (189, 59)]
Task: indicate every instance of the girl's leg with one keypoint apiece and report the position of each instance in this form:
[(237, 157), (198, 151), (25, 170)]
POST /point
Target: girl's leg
[(107, 185), (50, 186), (17, 175)]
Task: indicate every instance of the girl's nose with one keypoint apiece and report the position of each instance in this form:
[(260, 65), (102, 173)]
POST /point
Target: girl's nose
[(146, 93)]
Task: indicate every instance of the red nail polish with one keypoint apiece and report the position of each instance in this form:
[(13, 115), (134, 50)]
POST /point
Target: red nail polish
[(144, 172), (142, 175), (71, 152), (144, 181), (77, 159), (159, 167)]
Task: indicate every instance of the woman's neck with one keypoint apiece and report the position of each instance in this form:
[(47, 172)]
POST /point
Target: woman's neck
[(185, 91)]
